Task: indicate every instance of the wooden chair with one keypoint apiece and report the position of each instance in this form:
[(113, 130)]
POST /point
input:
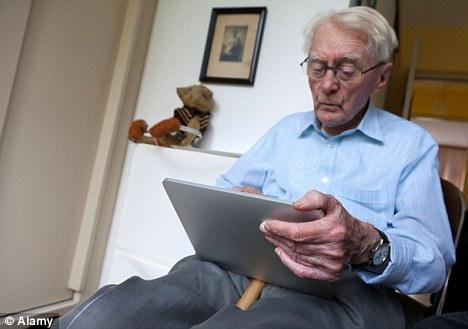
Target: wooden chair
[(454, 165), (456, 211)]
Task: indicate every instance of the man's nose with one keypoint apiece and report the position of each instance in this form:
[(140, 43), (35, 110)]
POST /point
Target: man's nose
[(329, 82)]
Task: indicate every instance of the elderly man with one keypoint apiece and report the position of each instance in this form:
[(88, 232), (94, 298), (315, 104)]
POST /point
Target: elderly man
[(373, 174)]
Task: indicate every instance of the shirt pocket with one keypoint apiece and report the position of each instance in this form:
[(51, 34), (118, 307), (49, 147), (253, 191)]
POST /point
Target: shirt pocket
[(364, 203)]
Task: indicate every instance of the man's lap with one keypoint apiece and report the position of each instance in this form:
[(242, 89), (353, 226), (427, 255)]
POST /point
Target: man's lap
[(201, 294)]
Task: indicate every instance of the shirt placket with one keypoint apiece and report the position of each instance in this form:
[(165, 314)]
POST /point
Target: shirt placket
[(327, 171)]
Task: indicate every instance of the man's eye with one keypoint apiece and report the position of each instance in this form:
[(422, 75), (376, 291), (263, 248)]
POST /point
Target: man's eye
[(346, 72), (347, 69), (314, 67)]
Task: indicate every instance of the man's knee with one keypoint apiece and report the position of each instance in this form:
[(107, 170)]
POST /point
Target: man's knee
[(193, 264), (106, 301)]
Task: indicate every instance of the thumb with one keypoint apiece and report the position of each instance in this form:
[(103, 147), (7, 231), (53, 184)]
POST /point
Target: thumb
[(312, 200)]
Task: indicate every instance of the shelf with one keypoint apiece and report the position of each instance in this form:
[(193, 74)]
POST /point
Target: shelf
[(193, 149)]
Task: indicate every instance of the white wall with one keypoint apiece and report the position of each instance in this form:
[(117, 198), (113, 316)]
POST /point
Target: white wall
[(242, 113), (147, 238)]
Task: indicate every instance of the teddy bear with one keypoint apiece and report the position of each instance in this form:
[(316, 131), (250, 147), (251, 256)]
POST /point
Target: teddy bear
[(186, 126)]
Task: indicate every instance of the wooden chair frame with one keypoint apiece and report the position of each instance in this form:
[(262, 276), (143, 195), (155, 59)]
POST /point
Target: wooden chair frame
[(456, 210)]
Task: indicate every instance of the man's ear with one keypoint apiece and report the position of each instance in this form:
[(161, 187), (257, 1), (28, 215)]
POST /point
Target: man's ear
[(384, 76)]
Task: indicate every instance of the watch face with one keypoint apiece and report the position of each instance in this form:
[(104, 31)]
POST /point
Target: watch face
[(381, 255)]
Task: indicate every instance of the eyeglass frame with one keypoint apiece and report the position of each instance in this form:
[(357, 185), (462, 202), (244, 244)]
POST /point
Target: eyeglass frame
[(335, 69)]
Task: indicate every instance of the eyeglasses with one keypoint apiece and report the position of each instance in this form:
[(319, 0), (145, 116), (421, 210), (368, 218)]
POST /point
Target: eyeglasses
[(344, 72)]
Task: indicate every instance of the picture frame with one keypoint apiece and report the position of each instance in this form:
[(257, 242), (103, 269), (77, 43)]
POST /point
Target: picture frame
[(233, 45)]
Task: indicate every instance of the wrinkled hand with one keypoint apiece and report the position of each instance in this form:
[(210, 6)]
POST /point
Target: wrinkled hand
[(321, 249)]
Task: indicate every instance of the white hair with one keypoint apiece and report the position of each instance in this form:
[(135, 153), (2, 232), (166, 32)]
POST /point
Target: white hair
[(381, 38)]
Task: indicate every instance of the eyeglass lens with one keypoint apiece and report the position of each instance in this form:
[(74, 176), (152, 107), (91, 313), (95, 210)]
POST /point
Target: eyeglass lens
[(343, 72)]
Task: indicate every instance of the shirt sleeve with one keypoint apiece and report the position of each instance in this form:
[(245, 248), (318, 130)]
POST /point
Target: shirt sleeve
[(252, 167), (419, 233)]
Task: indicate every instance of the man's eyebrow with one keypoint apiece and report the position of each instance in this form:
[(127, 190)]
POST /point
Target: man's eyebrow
[(350, 57)]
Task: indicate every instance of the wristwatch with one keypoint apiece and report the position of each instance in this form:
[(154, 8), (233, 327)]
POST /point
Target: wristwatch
[(379, 256)]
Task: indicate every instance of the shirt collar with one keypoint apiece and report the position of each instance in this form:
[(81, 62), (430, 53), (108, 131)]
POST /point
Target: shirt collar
[(369, 125)]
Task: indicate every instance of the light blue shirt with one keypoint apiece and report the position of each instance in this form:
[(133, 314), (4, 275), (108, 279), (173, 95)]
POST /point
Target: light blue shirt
[(384, 172)]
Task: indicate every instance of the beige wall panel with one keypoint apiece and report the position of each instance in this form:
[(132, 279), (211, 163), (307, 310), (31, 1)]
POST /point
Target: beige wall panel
[(13, 19), (49, 143)]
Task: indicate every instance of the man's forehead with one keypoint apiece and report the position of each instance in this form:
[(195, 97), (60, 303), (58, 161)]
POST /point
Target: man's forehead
[(333, 30), (341, 42)]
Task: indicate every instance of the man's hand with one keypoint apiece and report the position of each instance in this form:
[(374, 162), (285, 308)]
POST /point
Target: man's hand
[(246, 189), (321, 249)]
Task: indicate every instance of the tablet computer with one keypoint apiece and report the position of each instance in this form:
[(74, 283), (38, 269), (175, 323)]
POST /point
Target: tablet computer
[(223, 227)]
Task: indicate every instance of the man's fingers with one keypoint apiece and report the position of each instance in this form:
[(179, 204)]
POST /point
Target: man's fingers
[(299, 255), (285, 244), (299, 232), (296, 247), (327, 250), (246, 189), (306, 271), (252, 190), (312, 200)]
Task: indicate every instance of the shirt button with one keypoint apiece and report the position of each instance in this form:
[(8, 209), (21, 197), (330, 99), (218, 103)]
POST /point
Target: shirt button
[(325, 180)]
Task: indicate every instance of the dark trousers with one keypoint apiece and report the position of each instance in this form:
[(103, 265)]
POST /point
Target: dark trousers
[(197, 294), (456, 320)]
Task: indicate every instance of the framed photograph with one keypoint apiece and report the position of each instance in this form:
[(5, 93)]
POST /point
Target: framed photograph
[(233, 45)]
